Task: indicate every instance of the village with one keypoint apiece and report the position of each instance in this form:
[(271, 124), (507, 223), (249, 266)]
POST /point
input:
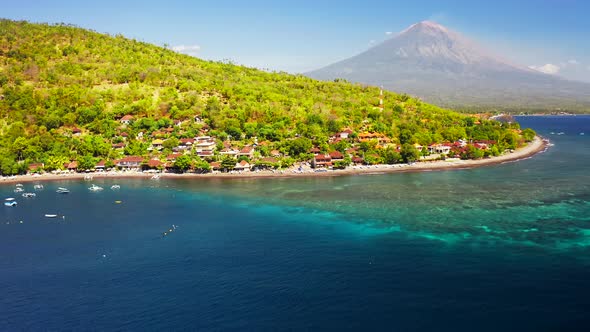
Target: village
[(206, 153)]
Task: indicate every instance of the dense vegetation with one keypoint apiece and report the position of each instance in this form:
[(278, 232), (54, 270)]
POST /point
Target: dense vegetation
[(63, 90)]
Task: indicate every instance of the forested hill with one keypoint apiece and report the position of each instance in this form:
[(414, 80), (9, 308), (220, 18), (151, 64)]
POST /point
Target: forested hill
[(63, 91)]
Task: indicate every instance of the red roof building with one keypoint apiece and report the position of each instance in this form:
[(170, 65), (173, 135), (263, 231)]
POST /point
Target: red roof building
[(336, 155)]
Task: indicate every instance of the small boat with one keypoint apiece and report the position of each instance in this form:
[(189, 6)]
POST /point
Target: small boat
[(115, 187), (62, 190), (88, 177), (38, 187), (95, 188), (19, 190), (47, 215), (10, 202), (29, 195), (19, 185), (156, 177)]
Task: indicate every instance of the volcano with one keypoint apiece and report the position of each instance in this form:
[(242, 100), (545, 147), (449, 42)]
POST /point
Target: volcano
[(442, 66)]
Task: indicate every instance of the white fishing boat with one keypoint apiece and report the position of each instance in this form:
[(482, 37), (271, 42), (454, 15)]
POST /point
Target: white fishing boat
[(10, 202), (18, 190), (29, 195), (47, 215), (156, 177), (95, 188), (115, 187), (38, 187), (19, 185), (88, 177), (62, 190)]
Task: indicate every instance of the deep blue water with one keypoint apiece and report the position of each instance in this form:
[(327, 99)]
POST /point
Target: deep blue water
[(495, 248)]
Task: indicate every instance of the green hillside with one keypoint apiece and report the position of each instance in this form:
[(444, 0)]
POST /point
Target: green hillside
[(63, 91)]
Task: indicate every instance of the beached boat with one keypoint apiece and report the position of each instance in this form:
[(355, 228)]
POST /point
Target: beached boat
[(10, 202), (88, 177), (47, 215), (156, 177), (29, 195), (38, 187), (95, 188), (62, 190), (115, 187)]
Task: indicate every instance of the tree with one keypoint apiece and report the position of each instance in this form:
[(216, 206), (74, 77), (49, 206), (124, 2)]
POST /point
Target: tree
[(409, 153), (391, 156), (183, 163), (171, 143), (228, 163), (86, 162), (528, 134), (298, 146)]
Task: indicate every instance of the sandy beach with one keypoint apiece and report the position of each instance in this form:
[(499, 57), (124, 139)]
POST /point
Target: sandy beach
[(536, 146)]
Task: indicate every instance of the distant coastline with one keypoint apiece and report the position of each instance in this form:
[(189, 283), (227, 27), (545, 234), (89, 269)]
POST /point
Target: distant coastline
[(536, 146)]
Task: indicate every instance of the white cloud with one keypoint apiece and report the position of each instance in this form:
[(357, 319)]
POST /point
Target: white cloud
[(187, 49), (573, 62), (388, 33), (549, 68)]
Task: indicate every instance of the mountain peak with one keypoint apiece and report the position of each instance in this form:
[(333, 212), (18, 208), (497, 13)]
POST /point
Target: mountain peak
[(426, 26)]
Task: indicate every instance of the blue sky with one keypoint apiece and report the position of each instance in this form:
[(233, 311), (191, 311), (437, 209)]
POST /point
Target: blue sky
[(297, 36)]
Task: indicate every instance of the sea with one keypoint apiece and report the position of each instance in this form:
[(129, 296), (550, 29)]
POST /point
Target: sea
[(496, 248)]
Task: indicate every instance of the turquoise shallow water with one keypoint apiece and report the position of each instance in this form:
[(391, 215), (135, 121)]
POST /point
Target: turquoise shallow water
[(495, 248)]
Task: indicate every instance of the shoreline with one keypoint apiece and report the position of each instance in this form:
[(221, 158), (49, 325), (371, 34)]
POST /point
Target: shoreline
[(538, 145)]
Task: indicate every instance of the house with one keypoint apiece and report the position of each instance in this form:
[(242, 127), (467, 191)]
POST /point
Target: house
[(178, 123), (130, 162), (229, 152), (358, 160), (127, 119), (35, 167), (215, 166), (187, 142), (173, 156), (154, 163), (205, 153), (247, 151), (315, 151), (76, 131), (336, 155), (275, 153), (157, 144), (73, 166), (439, 148), (100, 166), (118, 145), (204, 145), (198, 119), (242, 166), (321, 160), (345, 133)]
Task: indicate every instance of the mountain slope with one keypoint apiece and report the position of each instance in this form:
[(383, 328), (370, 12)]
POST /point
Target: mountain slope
[(64, 92), (443, 67)]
